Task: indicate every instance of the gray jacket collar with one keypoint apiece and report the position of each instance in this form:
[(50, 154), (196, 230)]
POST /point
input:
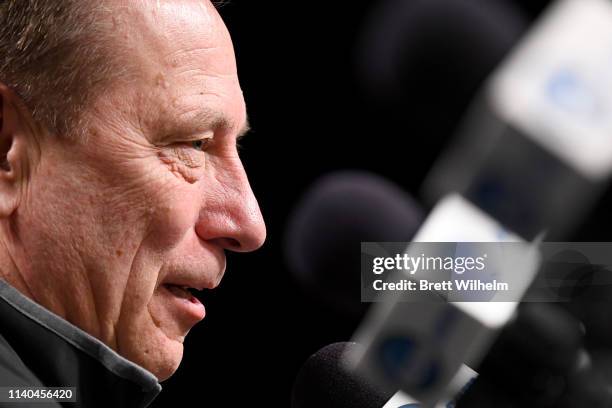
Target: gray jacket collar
[(49, 351)]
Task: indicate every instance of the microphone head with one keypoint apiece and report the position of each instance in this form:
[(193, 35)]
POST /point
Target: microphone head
[(530, 360), (420, 63), (324, 382), (454, 43), (323, 238), (582, 286)]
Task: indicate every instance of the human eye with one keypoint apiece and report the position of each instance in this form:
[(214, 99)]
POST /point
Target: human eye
[(200, 144)]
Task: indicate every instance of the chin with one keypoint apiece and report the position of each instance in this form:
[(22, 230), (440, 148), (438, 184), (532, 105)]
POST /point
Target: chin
[(162, 360), (164, 372), (164, 363)]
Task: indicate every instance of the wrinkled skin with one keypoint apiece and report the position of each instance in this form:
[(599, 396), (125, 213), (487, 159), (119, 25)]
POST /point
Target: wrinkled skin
[(93, 230)]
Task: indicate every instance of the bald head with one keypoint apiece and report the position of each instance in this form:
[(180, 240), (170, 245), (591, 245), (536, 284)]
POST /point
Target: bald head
[(59, 55)]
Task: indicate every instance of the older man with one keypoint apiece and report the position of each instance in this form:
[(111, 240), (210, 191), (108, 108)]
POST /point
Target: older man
[(120, 189)]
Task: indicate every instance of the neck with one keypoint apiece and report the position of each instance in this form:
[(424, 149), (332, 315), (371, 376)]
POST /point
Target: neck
[(49, 284), (16, 269), (10, 272)]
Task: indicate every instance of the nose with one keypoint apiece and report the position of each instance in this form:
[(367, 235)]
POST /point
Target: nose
[(230, 216)]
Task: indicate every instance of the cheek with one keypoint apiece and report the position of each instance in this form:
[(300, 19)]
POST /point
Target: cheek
[(154, 206), (175, 215)]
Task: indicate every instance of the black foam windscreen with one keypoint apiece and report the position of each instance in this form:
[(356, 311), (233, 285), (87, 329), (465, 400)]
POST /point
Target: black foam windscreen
[(531, 361), (421, 63), (324, 382), (417, 48), (339, 212)]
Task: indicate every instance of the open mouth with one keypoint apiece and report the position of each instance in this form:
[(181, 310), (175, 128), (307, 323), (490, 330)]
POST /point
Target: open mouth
[(183, 304), (183, 292)]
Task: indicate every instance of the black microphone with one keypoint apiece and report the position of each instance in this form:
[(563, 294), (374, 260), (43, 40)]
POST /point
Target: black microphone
[(531, 362), (421, 62), (456, 43), (539, 361), (337, 213), (585, 291), (324, 382)]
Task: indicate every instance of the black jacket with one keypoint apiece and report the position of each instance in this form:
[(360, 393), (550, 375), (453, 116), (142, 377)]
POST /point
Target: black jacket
[(40, 349)]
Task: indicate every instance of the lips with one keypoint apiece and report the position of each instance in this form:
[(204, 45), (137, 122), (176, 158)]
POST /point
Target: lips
[(179, 290), (189, 281), (182, 304), (183, 292)]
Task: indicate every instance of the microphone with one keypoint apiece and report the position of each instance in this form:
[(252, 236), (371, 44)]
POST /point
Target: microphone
[(533, 150), (531, 361), (541, 345), (340, 211), (421, 348), (426, 59), (539, 360), (587, 295), (325, 382)]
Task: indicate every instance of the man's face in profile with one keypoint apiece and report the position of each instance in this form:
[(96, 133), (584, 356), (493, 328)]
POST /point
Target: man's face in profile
[(122, 223)]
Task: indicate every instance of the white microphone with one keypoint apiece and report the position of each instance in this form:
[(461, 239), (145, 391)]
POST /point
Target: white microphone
[(421, 348), (535, 151)]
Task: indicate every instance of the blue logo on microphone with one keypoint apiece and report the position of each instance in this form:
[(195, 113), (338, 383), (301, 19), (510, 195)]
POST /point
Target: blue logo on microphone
[(403, 360), (413, 363), (572, 93)]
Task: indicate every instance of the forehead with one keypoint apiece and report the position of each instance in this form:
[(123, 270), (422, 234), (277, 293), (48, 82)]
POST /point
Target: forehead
[(176, 31), (184, 60)]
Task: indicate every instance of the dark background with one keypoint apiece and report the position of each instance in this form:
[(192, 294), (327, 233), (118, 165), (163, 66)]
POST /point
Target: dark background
[(309, 116)]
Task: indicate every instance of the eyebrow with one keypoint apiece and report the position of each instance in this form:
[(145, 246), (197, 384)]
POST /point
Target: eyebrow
[(204, 119), (246, 128)]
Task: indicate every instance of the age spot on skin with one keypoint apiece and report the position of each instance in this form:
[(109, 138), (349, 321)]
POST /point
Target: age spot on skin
[(160, 81)]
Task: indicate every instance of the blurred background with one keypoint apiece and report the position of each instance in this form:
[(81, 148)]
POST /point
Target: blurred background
[(328, 89)]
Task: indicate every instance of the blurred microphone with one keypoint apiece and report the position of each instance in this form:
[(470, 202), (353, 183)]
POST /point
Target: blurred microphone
[(421, 62), (455, 43), (423, 348), (531, 362), (534, 150), (539, 361), (345, 209), (324, 382), (323, 237), (539, 351), (587, 293)]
